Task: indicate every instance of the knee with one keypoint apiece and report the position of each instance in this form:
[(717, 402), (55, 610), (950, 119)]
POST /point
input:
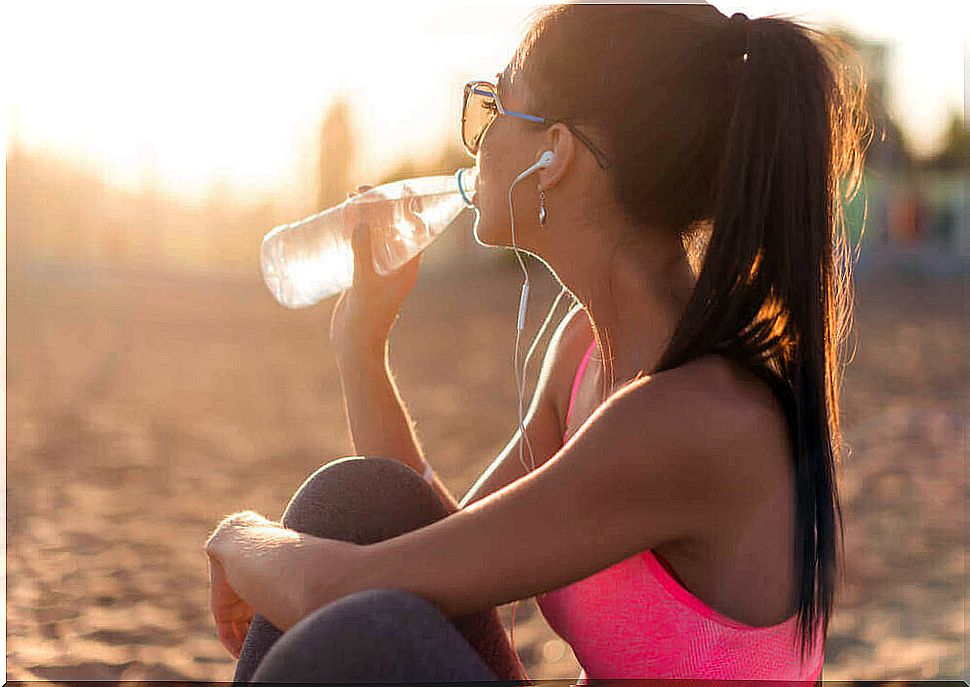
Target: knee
[(363, 470), (362, 499)]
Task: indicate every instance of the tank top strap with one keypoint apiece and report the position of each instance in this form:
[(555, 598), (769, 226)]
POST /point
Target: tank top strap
[(579, 375)]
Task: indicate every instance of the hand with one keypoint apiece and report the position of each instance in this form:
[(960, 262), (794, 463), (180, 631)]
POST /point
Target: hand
[(364, 314), (258, 565), (230, 611)]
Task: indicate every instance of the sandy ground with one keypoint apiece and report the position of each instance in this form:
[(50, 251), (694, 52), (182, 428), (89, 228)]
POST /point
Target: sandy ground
[(142, 408)]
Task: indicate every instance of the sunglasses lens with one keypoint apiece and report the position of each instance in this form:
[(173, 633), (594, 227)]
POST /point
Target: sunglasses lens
[(480, 110)]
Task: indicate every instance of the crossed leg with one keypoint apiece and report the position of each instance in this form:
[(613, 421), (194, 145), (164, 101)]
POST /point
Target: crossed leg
[(377, 634)]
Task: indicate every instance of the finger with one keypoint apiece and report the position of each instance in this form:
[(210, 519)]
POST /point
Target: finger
[(361, 244), (412, 209), (245, 632), (361, 188), (412, 266), (226, 639), (240, 633), (230, 638), (414, 205)]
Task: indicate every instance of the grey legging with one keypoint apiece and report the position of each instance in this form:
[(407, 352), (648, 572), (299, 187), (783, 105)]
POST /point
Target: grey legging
[(377, 635)]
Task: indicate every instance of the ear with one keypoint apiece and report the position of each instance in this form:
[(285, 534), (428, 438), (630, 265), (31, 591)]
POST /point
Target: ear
[(560, 140)]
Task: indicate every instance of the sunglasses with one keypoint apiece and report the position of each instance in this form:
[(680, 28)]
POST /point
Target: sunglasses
[(481, 105)]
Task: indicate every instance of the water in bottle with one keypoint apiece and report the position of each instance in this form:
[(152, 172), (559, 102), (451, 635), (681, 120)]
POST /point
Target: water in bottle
[(307, 261)]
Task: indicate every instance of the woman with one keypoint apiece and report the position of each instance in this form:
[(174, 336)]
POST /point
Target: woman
[(681, 518)]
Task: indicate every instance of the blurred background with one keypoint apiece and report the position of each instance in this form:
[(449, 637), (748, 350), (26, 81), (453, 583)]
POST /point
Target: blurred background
[(154, 385)]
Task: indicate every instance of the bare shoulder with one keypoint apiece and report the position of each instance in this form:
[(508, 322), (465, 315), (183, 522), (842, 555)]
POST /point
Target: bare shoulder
[(743, 428), (715, 410), (741, 396)]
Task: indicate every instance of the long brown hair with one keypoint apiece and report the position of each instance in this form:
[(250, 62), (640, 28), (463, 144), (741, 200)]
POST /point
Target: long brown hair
[(744, 134)]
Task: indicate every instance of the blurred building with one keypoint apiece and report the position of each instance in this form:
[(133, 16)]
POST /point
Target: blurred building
[(888, 148), (338, 146), (910, 214), (61, 214)]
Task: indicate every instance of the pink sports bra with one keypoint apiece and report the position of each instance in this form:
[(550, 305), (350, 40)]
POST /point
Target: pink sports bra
[(579, 375), (636, 620)]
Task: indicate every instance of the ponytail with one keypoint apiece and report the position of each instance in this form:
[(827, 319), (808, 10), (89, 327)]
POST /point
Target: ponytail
[(744, 156), (774, 290)]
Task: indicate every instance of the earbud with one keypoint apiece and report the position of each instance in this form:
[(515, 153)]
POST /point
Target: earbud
[(546, 159)]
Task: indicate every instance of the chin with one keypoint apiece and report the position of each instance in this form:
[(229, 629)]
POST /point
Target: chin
[(492, 226), (489, 235)]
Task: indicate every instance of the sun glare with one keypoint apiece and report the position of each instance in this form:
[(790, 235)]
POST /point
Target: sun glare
[(188, 95)]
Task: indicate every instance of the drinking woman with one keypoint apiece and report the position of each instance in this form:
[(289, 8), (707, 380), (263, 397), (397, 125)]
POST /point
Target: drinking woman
[(682, 519)]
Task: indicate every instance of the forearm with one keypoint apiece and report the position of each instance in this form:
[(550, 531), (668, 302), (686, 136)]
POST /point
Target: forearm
[(379, 422)]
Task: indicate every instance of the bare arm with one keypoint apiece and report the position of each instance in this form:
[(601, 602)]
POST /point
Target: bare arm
[(640, 472), (379, 422), (257, 559), (542, 421)]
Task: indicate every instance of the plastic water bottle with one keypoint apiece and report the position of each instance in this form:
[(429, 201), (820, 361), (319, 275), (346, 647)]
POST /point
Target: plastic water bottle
[(307, 261)]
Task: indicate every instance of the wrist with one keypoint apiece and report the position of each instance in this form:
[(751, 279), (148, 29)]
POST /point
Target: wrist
[(361, 350), (351, 327), (352, 568)]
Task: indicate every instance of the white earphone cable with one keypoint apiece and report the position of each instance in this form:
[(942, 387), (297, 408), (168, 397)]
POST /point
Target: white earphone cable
[(525, 365), (523, 301), (520, 379)]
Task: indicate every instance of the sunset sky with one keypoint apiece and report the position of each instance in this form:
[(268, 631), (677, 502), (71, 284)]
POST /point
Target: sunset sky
[(191, 93)]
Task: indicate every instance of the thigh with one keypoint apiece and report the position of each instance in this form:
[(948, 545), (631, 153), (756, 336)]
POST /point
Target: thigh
[(379, 635)]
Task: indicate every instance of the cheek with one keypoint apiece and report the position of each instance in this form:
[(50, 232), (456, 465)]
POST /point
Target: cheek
[(497, 200), (492, 224), (487, 192)]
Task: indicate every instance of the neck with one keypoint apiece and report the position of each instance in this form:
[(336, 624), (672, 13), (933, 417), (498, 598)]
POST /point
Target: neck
[(635, 294)]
